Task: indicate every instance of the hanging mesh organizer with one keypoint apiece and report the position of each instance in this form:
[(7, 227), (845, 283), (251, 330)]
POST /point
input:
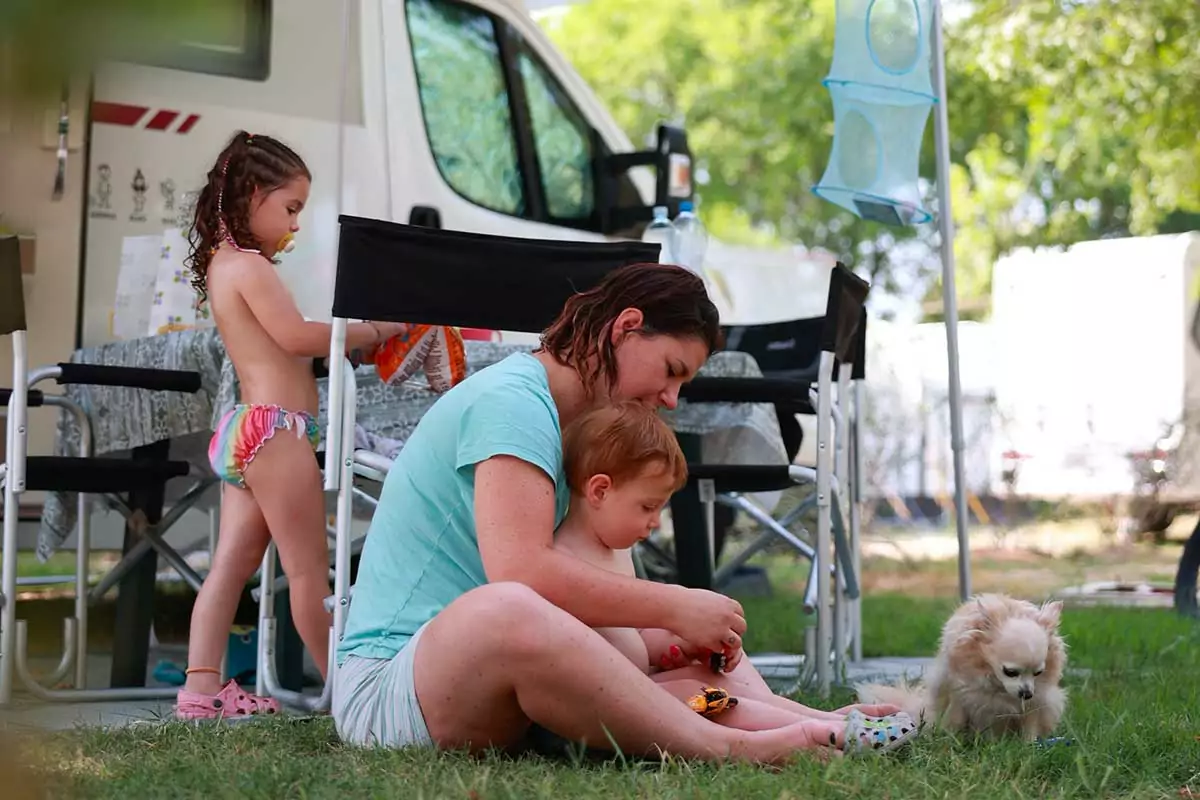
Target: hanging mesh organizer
[(881, 93)]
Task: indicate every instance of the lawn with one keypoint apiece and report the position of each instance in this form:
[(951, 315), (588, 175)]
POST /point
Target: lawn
[(1134, 716)]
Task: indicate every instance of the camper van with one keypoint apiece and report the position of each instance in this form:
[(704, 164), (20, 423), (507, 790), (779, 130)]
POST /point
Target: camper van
[(452, 113), (433, 112)]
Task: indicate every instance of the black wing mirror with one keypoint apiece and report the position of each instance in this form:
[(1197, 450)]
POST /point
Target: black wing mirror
[(672, 162)]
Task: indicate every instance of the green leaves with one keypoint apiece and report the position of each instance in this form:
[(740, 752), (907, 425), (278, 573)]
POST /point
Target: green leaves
[(1069, 120)]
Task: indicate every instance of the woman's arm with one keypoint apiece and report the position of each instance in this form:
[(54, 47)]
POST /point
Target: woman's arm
[(274, 308), (514, 521)]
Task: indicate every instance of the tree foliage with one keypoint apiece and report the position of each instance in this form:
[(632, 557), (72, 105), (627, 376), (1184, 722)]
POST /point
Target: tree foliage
[(1070, 119)]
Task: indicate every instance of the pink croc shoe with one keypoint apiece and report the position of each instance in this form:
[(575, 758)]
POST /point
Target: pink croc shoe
[(231, 703)]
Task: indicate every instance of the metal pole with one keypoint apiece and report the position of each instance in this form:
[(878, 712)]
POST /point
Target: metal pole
[(941, 139)]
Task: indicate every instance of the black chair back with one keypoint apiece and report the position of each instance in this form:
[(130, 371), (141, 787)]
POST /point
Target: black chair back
[(404, 273), (792, 349), (12, 298)]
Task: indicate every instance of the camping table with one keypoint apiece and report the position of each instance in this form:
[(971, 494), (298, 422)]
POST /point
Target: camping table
[(178, 426)]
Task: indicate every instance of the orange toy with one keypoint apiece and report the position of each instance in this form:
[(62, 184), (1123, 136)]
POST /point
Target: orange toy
[(436, 348)]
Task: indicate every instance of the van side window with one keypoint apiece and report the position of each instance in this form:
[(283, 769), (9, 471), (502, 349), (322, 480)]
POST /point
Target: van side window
[(562, 140), (465, 103)]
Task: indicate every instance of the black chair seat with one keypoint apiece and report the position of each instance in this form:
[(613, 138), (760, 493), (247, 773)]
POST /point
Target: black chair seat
[(743, 477), (98, 475)]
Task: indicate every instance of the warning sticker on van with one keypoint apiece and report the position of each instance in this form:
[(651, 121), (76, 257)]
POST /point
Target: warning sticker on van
[(133, 116)]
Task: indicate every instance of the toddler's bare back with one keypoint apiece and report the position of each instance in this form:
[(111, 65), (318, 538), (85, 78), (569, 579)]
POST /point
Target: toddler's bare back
[(627, 640)]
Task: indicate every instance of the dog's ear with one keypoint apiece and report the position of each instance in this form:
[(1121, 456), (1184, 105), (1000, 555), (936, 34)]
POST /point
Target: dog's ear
[(1049, 615), (984, 603)]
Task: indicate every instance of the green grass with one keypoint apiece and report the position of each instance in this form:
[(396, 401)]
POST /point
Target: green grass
[(1135, 720), (28, 565)]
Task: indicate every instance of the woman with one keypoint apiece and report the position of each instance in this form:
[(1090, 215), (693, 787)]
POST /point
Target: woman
[(467, 625)]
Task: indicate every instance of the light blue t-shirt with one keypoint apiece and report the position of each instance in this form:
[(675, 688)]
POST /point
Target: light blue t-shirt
[(421, 551)]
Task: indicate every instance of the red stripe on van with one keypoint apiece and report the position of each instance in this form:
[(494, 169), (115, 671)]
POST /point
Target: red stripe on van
[(117, 113), (188, 123), (161, 120)]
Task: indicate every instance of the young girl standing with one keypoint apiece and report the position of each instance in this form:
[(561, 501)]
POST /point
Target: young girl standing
[(263, 448)]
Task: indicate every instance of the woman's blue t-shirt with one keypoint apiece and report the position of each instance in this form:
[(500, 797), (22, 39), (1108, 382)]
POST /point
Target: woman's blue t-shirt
[(421, 551)]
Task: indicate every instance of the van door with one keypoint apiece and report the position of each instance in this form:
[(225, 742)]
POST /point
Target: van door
[(484, 136)]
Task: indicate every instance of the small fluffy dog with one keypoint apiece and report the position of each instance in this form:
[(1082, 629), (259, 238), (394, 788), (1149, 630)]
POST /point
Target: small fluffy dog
[(997, 671)]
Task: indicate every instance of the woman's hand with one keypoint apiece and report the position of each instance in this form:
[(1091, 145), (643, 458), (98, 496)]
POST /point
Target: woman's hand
[(710, 621), (680, 653), (733, 657)]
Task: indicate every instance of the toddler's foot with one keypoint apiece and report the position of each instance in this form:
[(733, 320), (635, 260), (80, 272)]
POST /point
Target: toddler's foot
[(231, 702)]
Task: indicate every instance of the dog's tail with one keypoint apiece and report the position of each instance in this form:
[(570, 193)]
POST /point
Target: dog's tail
[(912, 698)]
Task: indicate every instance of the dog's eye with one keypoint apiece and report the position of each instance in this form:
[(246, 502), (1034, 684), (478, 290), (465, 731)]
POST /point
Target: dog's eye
[(1037, 672), (1009, 672)]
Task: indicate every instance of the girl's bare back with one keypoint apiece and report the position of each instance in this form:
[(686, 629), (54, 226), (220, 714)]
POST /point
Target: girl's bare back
[(244, 288)]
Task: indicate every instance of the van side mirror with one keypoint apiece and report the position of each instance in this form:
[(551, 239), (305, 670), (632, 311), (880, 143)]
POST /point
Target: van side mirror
[(672, 162)]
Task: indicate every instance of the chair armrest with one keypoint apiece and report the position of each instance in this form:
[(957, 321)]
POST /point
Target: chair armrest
[(159, 380), (35, 398), (787, 392)]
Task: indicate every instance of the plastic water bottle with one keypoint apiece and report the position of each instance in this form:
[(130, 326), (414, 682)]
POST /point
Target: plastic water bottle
[(690, 240), (662, 232)]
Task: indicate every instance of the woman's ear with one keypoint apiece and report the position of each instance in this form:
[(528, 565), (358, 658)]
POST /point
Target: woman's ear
[(628, 321), (597, 488)]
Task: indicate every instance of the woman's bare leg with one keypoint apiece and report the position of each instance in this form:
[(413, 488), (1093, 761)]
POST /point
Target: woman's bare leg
[(501, 656), (750, 714), (745, 682), (286, 482), (240, 550)]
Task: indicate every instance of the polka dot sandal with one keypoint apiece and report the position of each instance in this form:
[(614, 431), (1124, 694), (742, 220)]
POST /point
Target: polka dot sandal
[(231, 703), (878, 734)]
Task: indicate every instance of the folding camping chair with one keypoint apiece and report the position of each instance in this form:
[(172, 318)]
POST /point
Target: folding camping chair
[(400, 273), (84, 474), (799, 359)]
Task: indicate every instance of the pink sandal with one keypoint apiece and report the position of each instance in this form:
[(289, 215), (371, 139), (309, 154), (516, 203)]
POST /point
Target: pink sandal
[(232, 702)]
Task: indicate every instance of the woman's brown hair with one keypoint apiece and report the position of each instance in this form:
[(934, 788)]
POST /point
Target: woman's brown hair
[(248, 162), (673, 302)]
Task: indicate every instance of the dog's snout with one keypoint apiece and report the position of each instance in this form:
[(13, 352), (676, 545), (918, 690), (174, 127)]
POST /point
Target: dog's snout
[(1025, 693)]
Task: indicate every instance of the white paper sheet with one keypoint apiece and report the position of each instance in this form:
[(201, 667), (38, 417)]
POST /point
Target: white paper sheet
[(174, 301), (140, 256)]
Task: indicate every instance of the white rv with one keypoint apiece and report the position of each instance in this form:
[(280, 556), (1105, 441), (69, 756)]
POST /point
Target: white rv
[(1098, 359), (455, 113), (436, 112)]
